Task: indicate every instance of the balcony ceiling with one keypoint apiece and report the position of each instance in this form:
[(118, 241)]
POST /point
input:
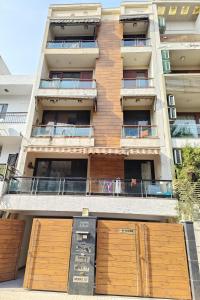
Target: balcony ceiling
[(135, 59), (128, 102), (185, 58), (136, 27), (178, 11), (78, 30), (71, 58), (187, 101)]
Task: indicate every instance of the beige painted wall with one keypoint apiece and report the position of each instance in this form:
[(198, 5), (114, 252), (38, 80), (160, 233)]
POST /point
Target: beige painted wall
[(197, 236)]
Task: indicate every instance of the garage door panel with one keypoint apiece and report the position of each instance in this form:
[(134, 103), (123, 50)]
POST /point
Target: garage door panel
[(11, 234), (116, 290), (142, 259), (50, 249), (116, 258)]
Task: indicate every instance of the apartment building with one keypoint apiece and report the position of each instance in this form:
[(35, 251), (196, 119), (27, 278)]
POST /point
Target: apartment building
[(116, 90), (15, 94)]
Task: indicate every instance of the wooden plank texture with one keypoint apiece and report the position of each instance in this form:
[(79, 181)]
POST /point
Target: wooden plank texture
[(48, 256), (11, 234), (149, 261)]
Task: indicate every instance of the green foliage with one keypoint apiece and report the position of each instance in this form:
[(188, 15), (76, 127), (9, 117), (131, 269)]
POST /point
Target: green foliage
[(187, 184)]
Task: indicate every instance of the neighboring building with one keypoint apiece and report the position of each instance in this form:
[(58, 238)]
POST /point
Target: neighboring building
[(15, 95), (112, 86)]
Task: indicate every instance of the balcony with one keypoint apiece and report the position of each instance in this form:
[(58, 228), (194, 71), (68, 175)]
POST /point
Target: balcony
[(76, 44), (133, 87), (67, 88), (141, 42), (139, 136), (68, 135), (136, 52), (78, 53), (183, 135), (12, 123), (62, 186), (66, 196)]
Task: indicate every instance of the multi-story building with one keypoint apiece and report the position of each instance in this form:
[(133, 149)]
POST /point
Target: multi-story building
[(112, 86), (15, 94)]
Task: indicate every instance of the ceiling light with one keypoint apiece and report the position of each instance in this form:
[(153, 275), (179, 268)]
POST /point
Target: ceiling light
[(182, 58), (196, 10), (185, 10), (161, 10), (172, 10)]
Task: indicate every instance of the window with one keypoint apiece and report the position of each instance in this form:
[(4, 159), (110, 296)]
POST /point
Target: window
[(137, 117), (177, 156), (61, 168), (64, 117)]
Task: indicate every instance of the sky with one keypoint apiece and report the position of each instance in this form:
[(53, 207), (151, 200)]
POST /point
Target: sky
[(22, 24)]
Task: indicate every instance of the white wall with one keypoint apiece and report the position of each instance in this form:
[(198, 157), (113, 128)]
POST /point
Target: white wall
[(9, 147), (10, 139), (16, 103)]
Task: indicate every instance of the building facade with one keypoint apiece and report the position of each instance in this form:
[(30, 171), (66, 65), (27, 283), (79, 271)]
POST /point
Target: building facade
[(114, 100), (15, 94)]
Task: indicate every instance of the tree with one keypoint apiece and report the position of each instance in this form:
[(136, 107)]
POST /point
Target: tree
[(187, 184)]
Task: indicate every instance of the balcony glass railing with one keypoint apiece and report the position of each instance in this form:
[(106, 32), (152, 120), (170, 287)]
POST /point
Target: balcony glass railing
[(136, 83), (62, 131), (13, 117), (135, 131), (185, 131), (116, 187), (67, 84), (143, 42), (57, 44)]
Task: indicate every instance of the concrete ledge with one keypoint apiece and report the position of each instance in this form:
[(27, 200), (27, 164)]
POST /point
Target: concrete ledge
[(97, 205), (140, 142), (63, 141), (182, 142)]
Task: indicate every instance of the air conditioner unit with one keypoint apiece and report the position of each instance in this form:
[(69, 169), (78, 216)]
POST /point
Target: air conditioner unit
[(172, 113), (162, 24), (171, 100), (177, 156)]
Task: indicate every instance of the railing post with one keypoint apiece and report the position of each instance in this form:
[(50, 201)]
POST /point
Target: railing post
[(142, 188), (59, 188), (36, 188)]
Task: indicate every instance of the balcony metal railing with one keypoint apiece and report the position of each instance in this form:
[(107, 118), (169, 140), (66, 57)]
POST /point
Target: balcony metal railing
[(75, 44), (185, 131), (63, 131), (136, 83), (135, 131), (131, 42), (13, 117), (117, 187), (67, 84)]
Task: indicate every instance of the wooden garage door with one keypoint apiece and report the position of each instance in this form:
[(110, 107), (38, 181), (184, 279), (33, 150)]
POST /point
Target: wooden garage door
[(48, 256), (142, 259), (11, 234), (117, 258)]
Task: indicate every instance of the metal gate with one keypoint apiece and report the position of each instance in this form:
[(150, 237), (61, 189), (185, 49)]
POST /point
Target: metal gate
[(48, 256), (11, 234), (142, 259)]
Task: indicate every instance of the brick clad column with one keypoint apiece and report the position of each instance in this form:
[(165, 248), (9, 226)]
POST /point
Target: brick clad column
[(108, 119)]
